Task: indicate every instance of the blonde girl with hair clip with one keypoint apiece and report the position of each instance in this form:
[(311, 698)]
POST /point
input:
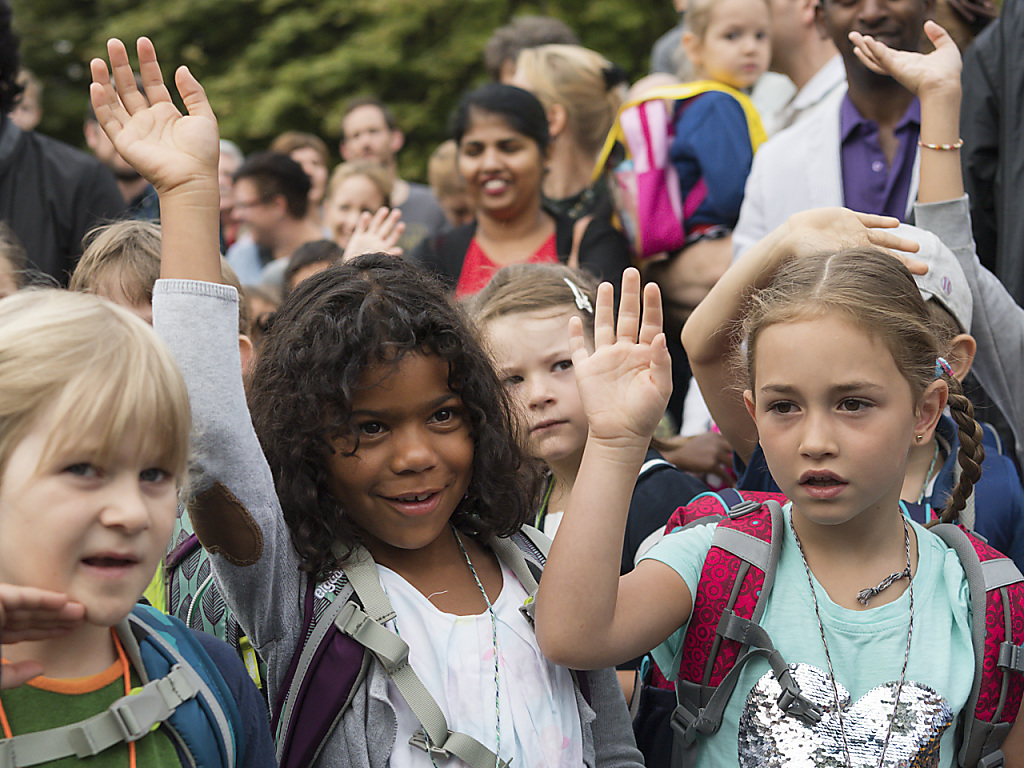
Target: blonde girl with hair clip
[(581, 91), (94, 433), (841, 376)]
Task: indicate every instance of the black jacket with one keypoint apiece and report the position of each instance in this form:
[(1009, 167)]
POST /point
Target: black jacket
[(992, 127)]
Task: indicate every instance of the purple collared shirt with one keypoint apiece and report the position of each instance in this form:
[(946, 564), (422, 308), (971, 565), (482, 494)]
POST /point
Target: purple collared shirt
[(870, 185)]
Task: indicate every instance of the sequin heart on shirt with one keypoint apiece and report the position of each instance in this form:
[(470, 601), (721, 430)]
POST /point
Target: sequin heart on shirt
[(769, 737)]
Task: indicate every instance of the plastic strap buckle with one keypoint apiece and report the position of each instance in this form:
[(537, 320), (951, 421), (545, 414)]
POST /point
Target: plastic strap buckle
[(992, 760), (795, 704), (742, 509), (421, 742), (124, 716), (1010, 657), (685, 724)]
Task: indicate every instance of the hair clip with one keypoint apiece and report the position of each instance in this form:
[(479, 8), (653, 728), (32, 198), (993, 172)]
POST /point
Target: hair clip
[(942, 367), (582, 300)]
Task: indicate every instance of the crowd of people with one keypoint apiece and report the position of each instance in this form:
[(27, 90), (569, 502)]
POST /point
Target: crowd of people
[(285, 449)]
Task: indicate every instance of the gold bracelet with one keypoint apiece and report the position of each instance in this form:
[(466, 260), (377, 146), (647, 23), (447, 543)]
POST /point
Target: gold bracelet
[(942, 147)]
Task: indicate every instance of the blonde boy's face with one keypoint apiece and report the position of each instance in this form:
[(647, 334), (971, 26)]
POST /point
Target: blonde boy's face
[(89, 528)]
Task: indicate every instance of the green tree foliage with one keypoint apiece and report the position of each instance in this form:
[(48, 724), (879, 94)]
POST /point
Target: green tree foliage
[(275, 65)]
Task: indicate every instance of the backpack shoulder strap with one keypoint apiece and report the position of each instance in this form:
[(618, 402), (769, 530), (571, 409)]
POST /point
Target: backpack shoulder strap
[(680, 92), (178, 689), (744, 554), (996, 590), (366, 626), (324, 675)]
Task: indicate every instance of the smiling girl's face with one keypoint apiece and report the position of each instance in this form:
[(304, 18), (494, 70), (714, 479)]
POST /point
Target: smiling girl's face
[(503, 168)]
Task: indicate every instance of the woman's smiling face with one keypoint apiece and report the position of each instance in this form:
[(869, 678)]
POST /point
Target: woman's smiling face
[(503, 168)]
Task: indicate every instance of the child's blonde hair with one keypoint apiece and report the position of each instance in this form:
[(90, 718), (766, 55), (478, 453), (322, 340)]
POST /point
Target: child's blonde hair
[(875, 292), (372, 171), (128, 253), (100, 374), (588, 86), (531, 287)]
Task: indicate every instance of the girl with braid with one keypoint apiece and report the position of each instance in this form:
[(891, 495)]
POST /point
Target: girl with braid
[(840, 376), (996, 508)]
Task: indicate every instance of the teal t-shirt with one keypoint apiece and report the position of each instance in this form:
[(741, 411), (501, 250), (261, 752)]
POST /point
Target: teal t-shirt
[(867, 650)]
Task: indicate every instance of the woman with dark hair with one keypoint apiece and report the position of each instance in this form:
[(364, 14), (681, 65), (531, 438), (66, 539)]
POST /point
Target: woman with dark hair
[(504, 142)]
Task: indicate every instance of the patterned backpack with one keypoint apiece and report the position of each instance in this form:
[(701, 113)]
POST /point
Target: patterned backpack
[(192, 595), (737, 578)]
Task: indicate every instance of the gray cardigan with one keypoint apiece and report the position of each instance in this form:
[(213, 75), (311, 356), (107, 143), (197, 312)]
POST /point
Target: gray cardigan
[(998, 323), (253, 558)]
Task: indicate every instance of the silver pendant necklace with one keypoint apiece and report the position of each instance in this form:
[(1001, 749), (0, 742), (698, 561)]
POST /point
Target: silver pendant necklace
[(824, 642)]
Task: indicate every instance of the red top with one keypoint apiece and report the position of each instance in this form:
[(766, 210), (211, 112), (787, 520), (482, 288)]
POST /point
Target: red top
[(477, 268)]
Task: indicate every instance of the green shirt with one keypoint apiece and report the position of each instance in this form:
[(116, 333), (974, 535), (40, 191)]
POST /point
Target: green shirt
[(45, 703)]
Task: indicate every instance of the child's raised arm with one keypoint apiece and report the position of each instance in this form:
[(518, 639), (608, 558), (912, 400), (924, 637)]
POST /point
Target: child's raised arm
[(176, 153), (586, 616), (712, 332)]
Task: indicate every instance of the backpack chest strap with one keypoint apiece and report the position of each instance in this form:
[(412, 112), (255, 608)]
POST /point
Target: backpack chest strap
[(367, 628), (127, 719)]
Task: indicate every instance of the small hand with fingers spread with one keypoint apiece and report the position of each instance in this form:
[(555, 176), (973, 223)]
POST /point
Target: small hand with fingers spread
[(626, 381), (375, 234), (917, 72), (28, 614), (169, 149)]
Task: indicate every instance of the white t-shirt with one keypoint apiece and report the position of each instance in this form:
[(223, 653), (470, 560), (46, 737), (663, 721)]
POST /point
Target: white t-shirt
[(454, 658), (867, 649)]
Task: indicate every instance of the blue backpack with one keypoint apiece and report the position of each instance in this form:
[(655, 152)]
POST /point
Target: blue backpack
[(181, 691)]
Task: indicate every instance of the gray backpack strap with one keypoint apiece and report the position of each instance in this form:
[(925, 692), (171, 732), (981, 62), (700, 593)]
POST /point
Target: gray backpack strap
[(127, 719), (982, 741), (701, 707), (366, 626)]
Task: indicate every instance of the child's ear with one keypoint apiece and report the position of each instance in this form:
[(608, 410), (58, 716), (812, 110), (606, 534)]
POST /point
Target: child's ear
[(557, 119), (245, 350), (748, 400), (961, 354), (691, 47), (929, 409)]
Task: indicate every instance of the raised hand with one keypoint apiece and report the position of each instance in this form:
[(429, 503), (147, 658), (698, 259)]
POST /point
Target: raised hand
[(377, 233), (917, 72), (626, 381), (827, 229), (169, 149), (28, 614)]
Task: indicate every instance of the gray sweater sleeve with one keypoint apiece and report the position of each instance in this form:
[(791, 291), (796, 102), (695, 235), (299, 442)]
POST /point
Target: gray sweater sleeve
[(998, 324), (199, 322)]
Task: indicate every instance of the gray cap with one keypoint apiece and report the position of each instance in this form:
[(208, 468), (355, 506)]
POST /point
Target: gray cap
[(945, 280)]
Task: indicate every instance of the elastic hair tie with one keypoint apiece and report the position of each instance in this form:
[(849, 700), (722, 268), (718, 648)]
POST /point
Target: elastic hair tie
[(942, 367), (582, 300)]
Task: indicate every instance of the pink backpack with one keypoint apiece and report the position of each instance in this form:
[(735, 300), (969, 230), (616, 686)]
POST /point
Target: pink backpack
[(645, 186), (724, 631)]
